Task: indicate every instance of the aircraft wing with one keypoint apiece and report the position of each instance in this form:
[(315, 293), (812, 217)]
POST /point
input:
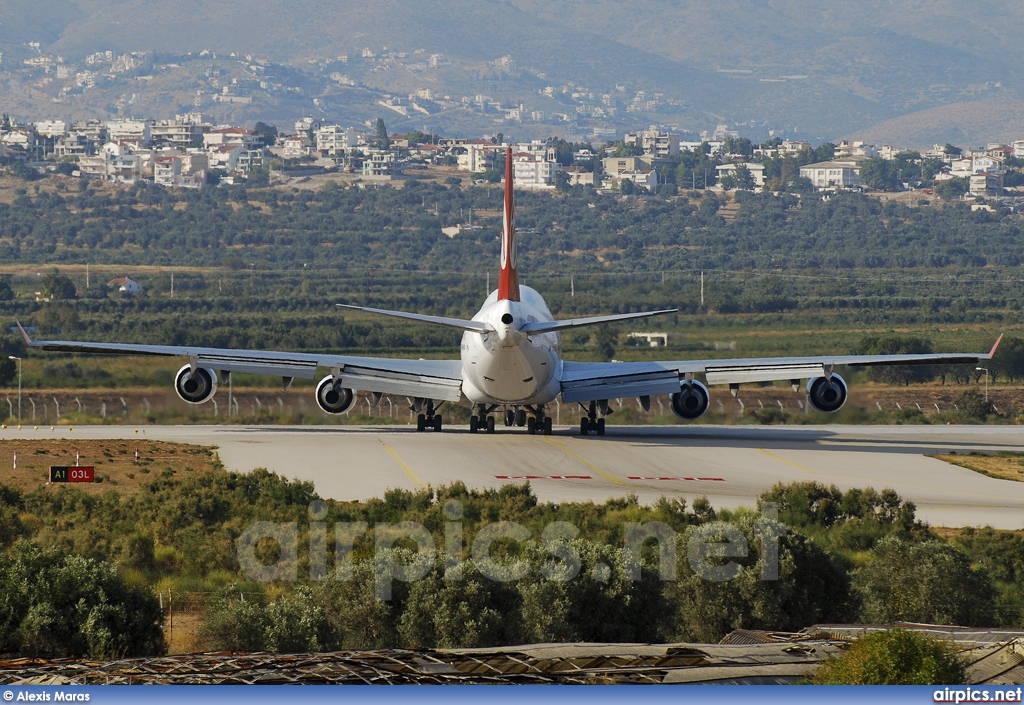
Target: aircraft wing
[(588, 381), (428, 379)]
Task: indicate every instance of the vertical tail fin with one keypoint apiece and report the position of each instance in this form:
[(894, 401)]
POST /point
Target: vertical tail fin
[(508, 280)]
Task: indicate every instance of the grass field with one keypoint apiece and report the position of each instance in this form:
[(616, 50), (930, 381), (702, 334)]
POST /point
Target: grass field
[(116, 467), (1003, 466)]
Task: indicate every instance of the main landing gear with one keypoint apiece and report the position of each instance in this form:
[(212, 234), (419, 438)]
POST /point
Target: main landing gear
[(536, 422), (590, 422), (429, 419)]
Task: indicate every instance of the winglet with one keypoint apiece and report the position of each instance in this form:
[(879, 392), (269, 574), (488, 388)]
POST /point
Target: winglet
[(24, 333), (995, 345)]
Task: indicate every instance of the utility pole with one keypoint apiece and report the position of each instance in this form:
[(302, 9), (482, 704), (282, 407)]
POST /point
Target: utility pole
[(172, 285), (702, 288), (572, 287), (86, 275)]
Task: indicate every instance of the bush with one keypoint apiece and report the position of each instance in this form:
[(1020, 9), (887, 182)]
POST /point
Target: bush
[(57, 606), (809, 588), (923, 582), (296, 622), (894, 657)]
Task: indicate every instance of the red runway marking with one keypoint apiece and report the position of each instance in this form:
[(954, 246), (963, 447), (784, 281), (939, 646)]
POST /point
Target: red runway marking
[(680, 479), (543, 477)]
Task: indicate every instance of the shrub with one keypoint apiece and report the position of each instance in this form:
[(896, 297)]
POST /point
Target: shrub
[(894, 657)]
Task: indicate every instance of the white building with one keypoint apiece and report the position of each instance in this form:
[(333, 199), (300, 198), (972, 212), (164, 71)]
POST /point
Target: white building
[(235, 158), (976, 165), (532, 171), (855, 149), (114, 162), (51, 128), (18, 138), (834, 174), (986, 184), (381, 165), (654, 141), (478, 157), (332, 140), (756, 170), (125, 284), (134, 131), (297, 146), (183, 130), (180, 170), (578, 176), (306, 124), (238, 136)]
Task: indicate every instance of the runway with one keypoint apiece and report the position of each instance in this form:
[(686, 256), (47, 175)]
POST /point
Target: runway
[(730, 465)]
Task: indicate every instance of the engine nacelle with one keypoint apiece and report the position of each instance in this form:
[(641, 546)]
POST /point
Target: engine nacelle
[(195, 388), (826, 394), (334, 399), (691, 401)]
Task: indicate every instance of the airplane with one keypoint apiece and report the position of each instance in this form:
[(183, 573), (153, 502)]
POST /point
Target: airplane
[(510, 360)]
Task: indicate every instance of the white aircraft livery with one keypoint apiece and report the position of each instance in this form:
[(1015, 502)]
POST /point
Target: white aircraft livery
[(510, 361)]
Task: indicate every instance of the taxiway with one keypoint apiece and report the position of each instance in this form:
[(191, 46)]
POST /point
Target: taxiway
[(730, 465)]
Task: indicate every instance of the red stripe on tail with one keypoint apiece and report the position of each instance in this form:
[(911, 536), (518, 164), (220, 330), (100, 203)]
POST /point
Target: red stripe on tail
[(508, 280)]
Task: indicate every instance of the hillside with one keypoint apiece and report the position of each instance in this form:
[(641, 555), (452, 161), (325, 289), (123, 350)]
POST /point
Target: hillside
[(805, 69)]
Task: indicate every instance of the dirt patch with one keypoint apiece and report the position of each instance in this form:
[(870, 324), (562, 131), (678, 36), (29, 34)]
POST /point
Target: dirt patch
[(181, 631), (1002, 466), (114, 461)]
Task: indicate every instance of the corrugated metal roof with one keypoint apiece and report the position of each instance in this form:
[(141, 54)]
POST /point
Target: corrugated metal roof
[(996, 656)]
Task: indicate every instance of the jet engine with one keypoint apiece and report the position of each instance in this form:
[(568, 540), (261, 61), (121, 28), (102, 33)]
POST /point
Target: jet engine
[(333, 398), (691, 401), (197, 387), (826, 393)]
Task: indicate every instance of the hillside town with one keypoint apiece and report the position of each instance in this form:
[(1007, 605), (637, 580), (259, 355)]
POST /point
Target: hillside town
[(190, 151)]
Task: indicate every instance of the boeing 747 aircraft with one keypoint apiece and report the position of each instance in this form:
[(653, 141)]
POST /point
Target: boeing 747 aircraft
[(511, 361)]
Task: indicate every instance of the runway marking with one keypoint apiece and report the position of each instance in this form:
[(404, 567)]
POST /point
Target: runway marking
[(543, 477), (798, 466), (599, 471), (402, 464), (680, 479)]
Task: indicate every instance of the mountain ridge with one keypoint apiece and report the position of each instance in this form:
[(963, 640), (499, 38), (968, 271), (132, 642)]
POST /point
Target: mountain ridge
[(791, 67)]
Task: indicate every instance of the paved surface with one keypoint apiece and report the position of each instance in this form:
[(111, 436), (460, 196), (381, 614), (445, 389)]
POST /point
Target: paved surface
[(731, 465)]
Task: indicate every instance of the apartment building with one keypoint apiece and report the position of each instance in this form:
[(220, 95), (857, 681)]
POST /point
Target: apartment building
[(182, 131), (137, 132), (532, 171), (51, 128), (332, 140), (654, 141)]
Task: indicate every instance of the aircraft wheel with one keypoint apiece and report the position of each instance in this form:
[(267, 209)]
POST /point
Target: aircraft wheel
[(473, 424), (547, 425), (490, 424), (437, 422), (584, 426), (520, 418), (531, 426), (510, 417), (421, 423), (600, 427)]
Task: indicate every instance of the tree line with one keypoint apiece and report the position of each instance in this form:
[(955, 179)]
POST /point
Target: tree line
[(389, 228)]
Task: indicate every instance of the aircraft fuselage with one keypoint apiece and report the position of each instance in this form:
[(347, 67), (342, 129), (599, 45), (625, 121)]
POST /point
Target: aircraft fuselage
[(509, 366)]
